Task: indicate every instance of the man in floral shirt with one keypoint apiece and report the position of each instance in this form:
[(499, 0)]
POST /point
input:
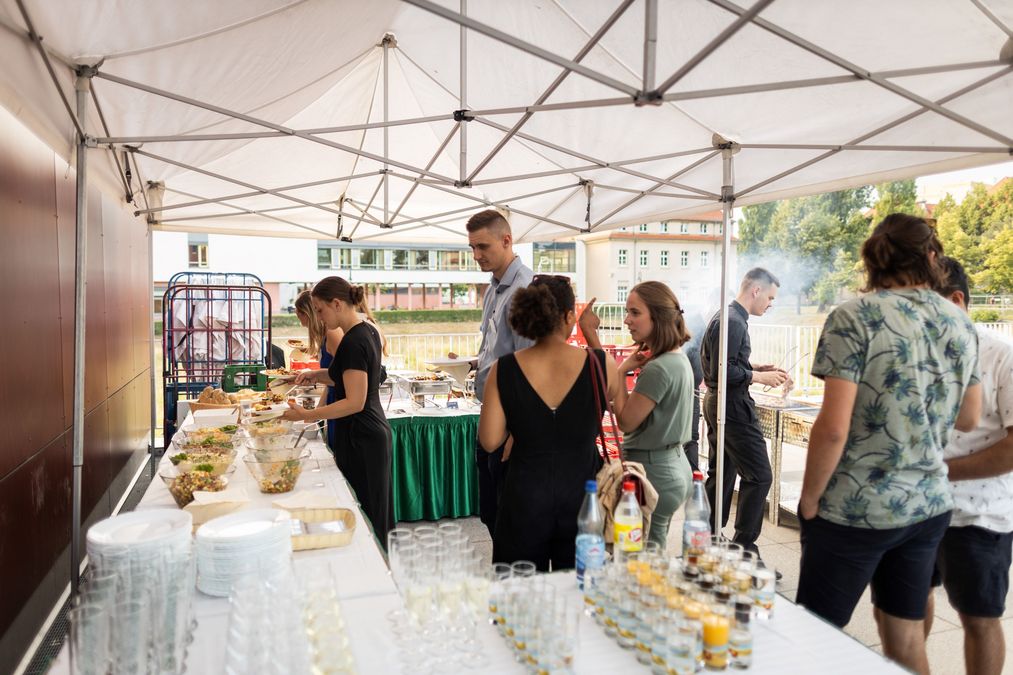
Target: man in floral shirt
[(900, 371)]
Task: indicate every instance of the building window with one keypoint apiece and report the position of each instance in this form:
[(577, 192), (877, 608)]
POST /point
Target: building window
[(455, 260), (643, 259), (663, 257), (622, 292), (555, 258), (684, 259), (420, 260), (198, 246), (683, 228), (622, 257), (704, 259), (664, 228), (399, 259), (370, 258), (703, 228), (333, 258), (643, 227)]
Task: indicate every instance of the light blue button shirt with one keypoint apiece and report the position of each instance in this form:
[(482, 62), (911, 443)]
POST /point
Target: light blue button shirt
[(498, 338)]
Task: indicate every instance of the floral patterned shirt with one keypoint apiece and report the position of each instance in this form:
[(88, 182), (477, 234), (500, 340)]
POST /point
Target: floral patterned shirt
[(913, 354)]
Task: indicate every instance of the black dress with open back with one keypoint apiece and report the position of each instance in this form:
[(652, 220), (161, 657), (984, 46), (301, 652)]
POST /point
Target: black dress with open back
[(554, 454)]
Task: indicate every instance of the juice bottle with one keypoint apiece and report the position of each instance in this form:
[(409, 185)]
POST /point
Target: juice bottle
[(629, 523)]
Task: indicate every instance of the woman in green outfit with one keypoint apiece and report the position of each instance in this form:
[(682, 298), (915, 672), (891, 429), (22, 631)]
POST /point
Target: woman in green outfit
[(656, 416)]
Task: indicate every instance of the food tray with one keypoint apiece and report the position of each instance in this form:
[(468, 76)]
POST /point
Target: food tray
[(197, 405), (428, 387), (340, 525)]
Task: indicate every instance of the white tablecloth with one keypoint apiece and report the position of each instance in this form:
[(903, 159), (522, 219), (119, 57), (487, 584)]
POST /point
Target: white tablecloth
[(794, 641)]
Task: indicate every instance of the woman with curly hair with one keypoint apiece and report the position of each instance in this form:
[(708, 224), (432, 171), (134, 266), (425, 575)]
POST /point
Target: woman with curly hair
[(900, 370), (542, 400)]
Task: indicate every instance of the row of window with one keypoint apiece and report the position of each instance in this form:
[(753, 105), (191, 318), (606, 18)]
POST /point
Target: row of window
[(645, 258), (683, 228), (331, 257)]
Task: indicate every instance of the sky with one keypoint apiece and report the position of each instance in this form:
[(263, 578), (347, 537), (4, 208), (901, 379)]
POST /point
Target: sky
[(957, 183)]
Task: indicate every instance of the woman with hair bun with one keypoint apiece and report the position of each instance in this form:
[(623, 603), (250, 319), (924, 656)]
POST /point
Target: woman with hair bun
[(322, 342), (362, 438), (900, 373), (656, 417), (542, 399)]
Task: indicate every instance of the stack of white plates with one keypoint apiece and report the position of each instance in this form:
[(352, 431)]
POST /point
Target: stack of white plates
[(116, 543), (258, 542)]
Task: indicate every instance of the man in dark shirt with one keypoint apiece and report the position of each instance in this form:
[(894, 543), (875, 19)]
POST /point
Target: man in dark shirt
[(745, 448)]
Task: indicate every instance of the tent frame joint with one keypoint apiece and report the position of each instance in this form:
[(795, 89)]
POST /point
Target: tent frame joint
[(464, 115), (653, 97), (462, 183)]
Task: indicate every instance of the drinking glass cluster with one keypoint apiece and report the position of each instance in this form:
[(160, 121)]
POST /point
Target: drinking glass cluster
[(133, 612), (444, 589), (683, 614), (539, 624)]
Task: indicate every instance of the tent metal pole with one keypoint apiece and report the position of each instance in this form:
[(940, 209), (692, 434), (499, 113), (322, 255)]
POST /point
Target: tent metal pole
[(713, 45), (235, 181), (591, 167), (151, 334), (37, 40), (993, 18), (463, 98), (257, 193), (364, 213), (879, 148), (576, 191), (584, 51), (173, 138), (657, 186), (501, 201), (436, 155), (727, 199), (81, 86), (875, 132), (601, 163), (481, 200), (386, 135), (270, 125), (616, 188), (513, 41), (563, 105), (650, 43), (240, 211), (116, 158), (866, 75)]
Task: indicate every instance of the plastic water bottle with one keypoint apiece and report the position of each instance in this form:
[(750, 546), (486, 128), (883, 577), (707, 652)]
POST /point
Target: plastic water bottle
[(696, 530), (590, 542), (629, 523)]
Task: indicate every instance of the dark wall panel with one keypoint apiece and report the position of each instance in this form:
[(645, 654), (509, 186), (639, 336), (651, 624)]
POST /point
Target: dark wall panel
[(35, 524), (37, 259), (29, 305)]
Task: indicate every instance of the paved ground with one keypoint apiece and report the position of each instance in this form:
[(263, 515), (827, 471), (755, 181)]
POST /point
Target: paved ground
[(780, 547)]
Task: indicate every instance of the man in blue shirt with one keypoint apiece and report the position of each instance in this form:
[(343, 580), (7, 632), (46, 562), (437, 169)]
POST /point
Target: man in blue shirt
[(492, 245)]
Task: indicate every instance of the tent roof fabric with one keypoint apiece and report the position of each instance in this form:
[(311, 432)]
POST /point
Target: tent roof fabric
[(268, 116)]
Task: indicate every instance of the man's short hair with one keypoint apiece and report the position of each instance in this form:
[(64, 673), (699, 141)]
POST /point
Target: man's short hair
[(954, 279), (490, 219), (760, 276)]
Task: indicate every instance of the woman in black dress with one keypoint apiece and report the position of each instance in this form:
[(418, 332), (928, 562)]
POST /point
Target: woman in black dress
[(540, 400), (362, 440)]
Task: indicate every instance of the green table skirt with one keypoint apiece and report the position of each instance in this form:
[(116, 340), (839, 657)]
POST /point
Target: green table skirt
[(433, 467)]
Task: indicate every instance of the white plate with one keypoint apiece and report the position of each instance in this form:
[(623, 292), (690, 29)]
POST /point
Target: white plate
[(141, 527), (265, 415), (274, 376), (243, 524)]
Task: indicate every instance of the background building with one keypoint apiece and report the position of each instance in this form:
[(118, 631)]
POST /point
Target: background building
[(686, 255)]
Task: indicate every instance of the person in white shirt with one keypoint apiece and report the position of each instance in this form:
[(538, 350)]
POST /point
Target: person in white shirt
[(973, 561)]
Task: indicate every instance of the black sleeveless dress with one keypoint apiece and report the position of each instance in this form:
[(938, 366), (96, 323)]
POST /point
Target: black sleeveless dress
[(362, 442), (553, 455)]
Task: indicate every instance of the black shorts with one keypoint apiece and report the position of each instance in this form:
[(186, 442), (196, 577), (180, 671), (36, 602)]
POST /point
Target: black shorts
[(973, 565), (838, 562)]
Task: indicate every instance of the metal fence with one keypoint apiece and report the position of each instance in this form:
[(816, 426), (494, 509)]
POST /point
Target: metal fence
[(790, 347)]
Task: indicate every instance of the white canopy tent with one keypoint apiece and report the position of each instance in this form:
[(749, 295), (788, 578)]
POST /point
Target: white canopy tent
[(390, 119)]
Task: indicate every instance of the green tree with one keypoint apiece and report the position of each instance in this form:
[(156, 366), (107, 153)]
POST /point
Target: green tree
[(899, 196), (977, 233)]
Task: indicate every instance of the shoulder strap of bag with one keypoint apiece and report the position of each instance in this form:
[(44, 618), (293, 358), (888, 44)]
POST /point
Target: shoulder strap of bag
[(599, 382)]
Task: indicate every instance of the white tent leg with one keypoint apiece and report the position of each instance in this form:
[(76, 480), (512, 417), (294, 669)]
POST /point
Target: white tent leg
[(151, 334), (387, 40), (81, 88), (728, 199), (462, 102)]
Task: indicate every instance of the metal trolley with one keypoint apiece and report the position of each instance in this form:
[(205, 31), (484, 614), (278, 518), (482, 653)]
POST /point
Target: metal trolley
[(209, 321)]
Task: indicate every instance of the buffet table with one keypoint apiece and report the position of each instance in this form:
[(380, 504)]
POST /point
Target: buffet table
[(793, 641), (433, 465)]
